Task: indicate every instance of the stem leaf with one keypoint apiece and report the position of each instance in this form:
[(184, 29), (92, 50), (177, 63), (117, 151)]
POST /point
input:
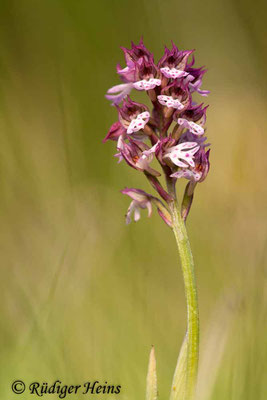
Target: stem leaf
[(178, 389)]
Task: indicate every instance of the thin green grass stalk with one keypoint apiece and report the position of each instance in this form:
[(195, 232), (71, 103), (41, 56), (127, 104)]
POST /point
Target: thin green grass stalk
[(192, 334)]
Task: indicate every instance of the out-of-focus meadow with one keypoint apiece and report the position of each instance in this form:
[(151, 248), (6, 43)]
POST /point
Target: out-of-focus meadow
[(83, 297)]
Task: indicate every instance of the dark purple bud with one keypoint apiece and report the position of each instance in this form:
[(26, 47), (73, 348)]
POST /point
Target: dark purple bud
[(147, 70), (174, 58), (137, 52), (116, 130)]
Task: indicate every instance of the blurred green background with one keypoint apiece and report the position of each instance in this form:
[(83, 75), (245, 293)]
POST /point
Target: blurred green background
[(84, 297)]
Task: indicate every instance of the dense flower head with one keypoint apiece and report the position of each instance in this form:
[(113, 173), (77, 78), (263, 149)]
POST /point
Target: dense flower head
[(172, 132)]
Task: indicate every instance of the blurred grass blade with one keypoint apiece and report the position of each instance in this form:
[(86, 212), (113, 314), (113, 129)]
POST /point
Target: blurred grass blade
[(151, 380), (179, 378), (214, 344)]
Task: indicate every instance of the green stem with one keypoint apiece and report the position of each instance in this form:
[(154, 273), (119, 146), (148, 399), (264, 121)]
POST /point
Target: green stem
[(187, 264)]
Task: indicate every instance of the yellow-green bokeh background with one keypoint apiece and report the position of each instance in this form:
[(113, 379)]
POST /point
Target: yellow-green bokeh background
[(83, 297)]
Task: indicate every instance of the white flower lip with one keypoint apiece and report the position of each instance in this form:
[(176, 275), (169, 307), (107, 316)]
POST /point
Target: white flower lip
[(182, 155), (196, 129), (170, 102), (173, 72), (147, 84), (139, 122)]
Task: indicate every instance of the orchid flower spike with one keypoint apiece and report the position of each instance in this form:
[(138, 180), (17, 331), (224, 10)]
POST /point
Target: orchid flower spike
[(172, 133)]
